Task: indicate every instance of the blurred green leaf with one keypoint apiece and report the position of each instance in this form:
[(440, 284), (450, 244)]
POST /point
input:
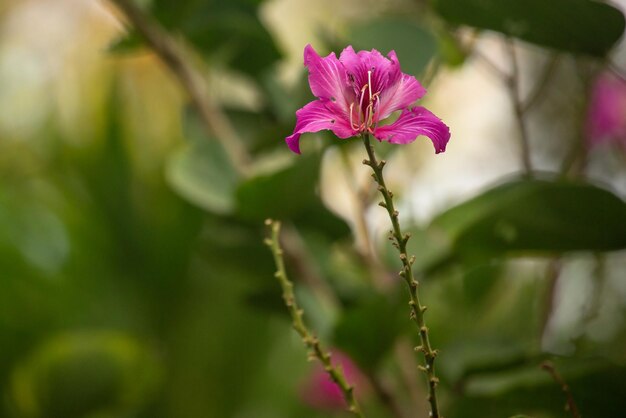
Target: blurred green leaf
[(289, 192), (532, 216), (268, 300), (367, 330), (285, 100), (124, 44), (414, 45), (202, 174), (280, 194), (578, 26), (489, 353), (595, 385), (226, 29), (449, 49), (76, 375), (430, 247), (316, 217), (260, 130), (479, 280)]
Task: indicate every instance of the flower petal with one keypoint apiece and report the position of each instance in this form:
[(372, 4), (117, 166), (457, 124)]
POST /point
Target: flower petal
[(399, 96), (317, 116), (384, 72), (328, 78), (414, 122)]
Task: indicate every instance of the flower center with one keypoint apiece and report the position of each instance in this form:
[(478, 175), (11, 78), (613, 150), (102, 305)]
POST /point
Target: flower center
[(362, 116)]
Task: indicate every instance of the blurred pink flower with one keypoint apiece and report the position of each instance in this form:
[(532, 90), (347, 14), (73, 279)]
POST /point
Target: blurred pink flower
[(606, 117), (356, 92), (320, 392)]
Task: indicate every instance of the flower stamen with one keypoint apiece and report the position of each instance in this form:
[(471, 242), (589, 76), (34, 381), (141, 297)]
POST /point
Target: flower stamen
[(361, 104), (369, 83), (352, 125)]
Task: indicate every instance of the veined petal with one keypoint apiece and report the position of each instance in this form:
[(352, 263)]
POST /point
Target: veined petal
[(328, 78), (394, 70), (315, 117), (399, 96), (411, 124), (383, 71)]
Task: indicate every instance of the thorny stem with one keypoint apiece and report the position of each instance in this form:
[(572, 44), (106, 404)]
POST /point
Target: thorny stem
[(570, 406), (519, 109), (312, 342), (192, 82), (417, 309)]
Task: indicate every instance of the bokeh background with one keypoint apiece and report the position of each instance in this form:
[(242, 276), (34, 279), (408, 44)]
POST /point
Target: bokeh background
[(133, 277)]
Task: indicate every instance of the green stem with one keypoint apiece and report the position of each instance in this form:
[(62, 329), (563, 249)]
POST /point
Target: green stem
[(311, 341), (417, 309)]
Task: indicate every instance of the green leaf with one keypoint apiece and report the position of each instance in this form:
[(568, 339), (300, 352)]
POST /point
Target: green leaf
[(202, 174), (127, 43), (267, 299), (316, 217), (83, 374), (481, 353), (595, 385), (260, 130), (281, 194), (368, 330), (534, 216), (414, 45), (578, 26), (222, 29), (451, 52), (431, 248)]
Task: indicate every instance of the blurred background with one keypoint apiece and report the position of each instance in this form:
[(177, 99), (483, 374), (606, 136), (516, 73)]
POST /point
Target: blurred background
[(133, 277)]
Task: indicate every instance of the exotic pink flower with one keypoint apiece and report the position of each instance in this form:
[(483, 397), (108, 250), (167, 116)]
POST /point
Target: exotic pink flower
[(320, 392), (358, 91), (606, 117)]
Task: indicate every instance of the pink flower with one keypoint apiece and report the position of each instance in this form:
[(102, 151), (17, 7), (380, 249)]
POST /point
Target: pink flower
[(359, 90), (320, 392), (606, 117)]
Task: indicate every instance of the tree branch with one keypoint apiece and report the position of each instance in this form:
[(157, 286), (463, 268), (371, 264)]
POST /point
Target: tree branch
[(518, 108), (570, 406), (215, 122)]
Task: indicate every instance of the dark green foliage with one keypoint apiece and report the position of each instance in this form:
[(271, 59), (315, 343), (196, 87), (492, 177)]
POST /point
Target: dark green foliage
[(414, 45), (537, 216), (578, 26), (148, 293), (227, 31)]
